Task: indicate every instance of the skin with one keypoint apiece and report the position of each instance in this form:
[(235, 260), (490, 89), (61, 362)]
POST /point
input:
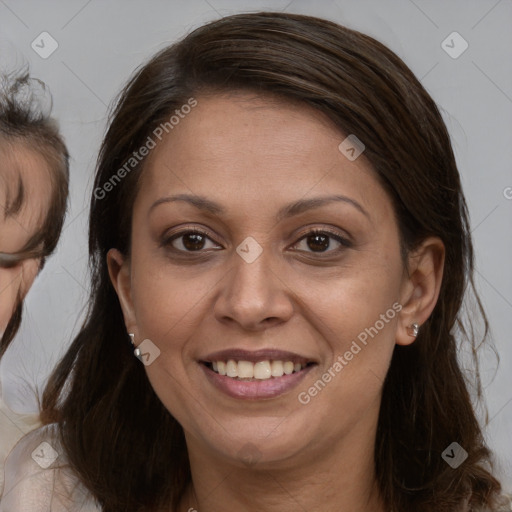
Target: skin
[(20, 162), (254, 155)]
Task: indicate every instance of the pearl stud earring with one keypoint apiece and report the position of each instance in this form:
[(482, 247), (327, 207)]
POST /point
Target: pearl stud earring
[(136, 352), (413, 330)]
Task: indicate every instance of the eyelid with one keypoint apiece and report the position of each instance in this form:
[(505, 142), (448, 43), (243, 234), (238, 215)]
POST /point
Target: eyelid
[(336, 234), (10, 260)]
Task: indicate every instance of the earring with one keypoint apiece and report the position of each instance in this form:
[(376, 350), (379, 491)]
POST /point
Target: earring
[(136, 352), (413, 330)]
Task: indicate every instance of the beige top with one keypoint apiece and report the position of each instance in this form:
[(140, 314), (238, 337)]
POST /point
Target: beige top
[(13, 427), (39, 479)]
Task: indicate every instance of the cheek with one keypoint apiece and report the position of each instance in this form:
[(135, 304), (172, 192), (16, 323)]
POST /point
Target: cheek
[(10, 280), (169, 303), (356, 327), (344, 301), (354, 312)]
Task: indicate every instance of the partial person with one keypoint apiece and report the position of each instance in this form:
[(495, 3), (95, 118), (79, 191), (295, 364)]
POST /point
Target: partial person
[(34, 175)]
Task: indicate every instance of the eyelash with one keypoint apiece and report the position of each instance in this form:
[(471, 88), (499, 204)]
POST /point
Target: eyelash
[(167, 242)]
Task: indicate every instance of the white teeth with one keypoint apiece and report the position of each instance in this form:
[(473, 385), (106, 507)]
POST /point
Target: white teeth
[(221, 367), (276, 369), (262, 370), (231, 368), (245, 370), (288, 367)]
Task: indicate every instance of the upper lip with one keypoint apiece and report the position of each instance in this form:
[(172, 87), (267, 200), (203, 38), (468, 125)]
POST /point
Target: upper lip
[(254, 356)]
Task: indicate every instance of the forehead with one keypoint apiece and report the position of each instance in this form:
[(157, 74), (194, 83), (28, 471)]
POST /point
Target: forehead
[(25, 194), (242, 148), (247, 130)]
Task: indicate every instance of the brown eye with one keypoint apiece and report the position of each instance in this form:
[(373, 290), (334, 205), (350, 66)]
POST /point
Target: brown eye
[(321, 242), (318, 243), (188, 241), (193, 241)]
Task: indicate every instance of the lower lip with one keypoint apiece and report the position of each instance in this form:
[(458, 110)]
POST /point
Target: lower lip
[(256, 389)]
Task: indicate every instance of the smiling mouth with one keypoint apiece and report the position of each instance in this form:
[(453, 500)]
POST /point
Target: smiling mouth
[(258, 371)]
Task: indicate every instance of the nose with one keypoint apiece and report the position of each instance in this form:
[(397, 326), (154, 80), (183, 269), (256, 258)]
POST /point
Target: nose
[(253, 295)]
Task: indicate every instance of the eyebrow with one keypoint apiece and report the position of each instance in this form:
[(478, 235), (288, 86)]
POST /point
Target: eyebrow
[(204, 204)]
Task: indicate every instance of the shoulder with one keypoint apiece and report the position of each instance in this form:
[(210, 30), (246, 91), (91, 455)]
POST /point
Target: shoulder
[(504, 505), (23, 423), (39, 479), (13, 427), (507, 503)]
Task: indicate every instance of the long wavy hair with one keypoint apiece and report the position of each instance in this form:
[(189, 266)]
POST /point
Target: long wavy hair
[(121, 441)]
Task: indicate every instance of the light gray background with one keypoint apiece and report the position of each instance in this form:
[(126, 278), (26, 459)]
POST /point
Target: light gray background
[(102, 42)]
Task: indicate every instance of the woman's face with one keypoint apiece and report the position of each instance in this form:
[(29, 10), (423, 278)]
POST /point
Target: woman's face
[(24, 179), (256, 291)]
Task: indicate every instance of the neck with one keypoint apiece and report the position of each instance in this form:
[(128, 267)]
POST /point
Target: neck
[(340, 478)]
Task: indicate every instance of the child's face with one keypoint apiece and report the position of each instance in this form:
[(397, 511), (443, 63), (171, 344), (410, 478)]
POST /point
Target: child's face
[(25, 192)]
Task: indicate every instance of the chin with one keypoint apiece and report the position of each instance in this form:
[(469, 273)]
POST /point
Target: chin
[(262, 442)]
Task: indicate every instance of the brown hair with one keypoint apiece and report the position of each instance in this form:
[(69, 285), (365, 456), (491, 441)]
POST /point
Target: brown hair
[(125, 446), (25, 122)]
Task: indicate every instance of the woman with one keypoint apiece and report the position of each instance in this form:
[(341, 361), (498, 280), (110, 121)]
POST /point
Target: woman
[(34, 172), (279, 229)]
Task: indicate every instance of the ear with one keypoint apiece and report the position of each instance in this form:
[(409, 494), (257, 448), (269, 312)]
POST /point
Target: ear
[(420, 287), (120, 276)]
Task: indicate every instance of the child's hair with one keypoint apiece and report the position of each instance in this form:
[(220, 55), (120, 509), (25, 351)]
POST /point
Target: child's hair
[(25, 122), (119, 438)]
